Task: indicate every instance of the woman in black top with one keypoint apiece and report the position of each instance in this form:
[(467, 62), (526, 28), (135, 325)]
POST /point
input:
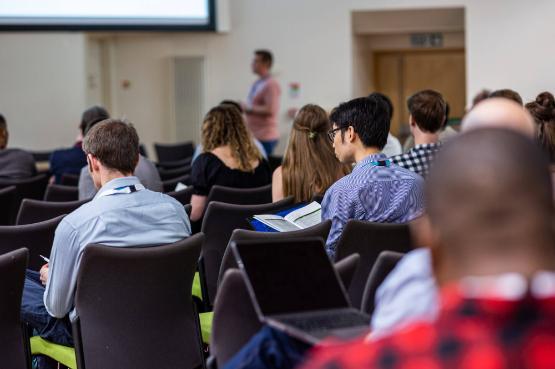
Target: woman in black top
[(230, 157)]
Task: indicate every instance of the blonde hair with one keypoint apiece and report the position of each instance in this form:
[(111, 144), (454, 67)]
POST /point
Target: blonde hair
[(309, 165), (223, 125)]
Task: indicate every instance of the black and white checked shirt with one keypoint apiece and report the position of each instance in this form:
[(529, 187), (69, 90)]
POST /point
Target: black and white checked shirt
[(418, 158)]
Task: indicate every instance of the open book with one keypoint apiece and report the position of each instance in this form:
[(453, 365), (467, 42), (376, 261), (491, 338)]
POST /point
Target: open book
[(302, 218)]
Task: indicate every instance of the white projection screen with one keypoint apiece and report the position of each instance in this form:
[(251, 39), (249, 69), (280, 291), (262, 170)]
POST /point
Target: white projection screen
[(107, 15)]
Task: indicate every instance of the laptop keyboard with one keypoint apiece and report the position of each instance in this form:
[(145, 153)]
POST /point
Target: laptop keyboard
[(328, 320)]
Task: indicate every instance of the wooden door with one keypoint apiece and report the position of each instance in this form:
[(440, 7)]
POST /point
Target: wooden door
[(400, 74)]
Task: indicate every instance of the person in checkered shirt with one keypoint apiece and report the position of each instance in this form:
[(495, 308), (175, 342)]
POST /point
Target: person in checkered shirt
[(493, 239), (427, 110)]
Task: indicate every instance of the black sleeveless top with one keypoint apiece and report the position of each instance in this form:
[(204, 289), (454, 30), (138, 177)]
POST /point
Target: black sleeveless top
[(208, 170)]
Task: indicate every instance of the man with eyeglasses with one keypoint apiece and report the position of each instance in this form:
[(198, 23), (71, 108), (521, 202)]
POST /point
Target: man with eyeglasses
[(377, 190)]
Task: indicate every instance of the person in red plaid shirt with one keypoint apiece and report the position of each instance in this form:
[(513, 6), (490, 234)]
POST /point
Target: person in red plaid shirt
[(492, 232)]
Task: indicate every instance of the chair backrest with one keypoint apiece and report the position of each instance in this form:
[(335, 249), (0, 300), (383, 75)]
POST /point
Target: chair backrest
[(70, 179), (241, 196), (13, 340), (183, 196), (167, 165), (228, 261), (346, 268), (173, 152), (369, 239), (220, 220), (135, 309), (36, 237), (166, 174), (235, 320), (27, 188), (8, 197), (169, 185), (56, 192), (34, 211), (382, 267)]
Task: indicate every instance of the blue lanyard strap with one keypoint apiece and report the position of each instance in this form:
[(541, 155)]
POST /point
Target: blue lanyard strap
[(381, 163)]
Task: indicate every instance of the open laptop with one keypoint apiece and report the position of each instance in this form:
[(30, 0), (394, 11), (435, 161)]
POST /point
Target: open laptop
[(295, 288)]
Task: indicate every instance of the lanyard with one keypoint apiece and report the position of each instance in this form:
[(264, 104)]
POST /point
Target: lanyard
[(122, 190), (381, 163)]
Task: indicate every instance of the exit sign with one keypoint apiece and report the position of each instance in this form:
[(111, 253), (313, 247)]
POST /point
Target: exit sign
[(426, 39)]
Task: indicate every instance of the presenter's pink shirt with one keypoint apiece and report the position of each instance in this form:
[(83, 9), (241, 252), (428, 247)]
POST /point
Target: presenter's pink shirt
[(265, 92)]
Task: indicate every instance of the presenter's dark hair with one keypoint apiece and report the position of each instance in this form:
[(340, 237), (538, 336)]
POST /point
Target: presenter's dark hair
[(266, 56), (369, 117), (115, 143), (91, 116)]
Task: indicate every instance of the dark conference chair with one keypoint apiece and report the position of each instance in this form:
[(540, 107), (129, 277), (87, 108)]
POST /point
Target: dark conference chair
[(174, 152), (183, 196), (166, 174), (34, 211), (56, 192), (27, 188), (134, 307), (387, 260), (228, 261), (69, 179), (14, 343), (220, 220), (241, 196), (8, 199), (235, 320), (169, 185), (36, 237), (369, 239)]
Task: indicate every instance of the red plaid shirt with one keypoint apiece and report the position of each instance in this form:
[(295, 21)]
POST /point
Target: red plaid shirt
[(470, 333)]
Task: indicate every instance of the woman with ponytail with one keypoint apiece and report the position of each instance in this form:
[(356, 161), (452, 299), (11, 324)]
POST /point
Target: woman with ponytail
[(309, 165)]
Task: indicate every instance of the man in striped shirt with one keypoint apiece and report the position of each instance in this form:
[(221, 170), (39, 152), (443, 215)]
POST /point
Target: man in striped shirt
[(427, 117), (377, 190)]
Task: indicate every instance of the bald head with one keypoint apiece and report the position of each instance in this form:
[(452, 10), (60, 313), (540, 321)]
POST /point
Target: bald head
[(489, 203), (500, 113)]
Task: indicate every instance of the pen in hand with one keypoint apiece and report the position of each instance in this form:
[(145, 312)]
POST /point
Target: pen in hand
[(45, 258)]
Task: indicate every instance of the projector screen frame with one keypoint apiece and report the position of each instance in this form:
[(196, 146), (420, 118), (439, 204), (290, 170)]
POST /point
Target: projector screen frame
[(210, 26)]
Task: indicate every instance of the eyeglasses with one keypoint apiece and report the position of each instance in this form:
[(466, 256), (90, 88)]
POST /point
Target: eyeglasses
[(331, 133)]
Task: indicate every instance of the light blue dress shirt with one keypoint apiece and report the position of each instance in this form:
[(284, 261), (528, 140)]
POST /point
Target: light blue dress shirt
[(122, 219), (383, 194)]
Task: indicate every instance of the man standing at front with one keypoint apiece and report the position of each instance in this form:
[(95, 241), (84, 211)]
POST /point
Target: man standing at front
[(123, 213), (263, 102), (376, 190)]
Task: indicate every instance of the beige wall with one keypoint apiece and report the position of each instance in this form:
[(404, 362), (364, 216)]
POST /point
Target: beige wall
[(508, 44)]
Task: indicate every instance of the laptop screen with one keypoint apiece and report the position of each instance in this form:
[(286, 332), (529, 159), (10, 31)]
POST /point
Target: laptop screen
[(290, 276)]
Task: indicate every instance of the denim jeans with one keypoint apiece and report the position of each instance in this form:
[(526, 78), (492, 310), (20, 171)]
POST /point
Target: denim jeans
[(33, 312), (269, 349)]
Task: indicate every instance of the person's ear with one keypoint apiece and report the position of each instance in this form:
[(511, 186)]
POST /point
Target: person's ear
[(351, 134), (412, 122), (94, 163)]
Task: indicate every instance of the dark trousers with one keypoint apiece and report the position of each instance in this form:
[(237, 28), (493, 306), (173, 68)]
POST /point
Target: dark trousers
[(33, 312), (269, 349), (269, 146)]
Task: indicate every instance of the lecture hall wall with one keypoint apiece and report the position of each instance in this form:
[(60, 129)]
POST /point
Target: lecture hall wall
[(48, 79)]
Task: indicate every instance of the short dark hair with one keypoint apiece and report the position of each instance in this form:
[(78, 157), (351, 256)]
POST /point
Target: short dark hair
[(428, 110), (507, 94), (387, 100), (115, 143), (266, 56), (3, 124), (91, 116), (369, 117)]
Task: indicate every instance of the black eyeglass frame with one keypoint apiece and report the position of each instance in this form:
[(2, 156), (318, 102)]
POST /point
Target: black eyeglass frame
[(331, 133)]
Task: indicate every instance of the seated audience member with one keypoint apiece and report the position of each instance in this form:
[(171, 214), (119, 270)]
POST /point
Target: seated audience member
[(427, 111), (309, 165), (412, 280), (480, 96), (145, 171), (230, 157), (258, 144), (543, 112), (507, 94), (71, 160), (495, 264), (376, 190), (14, 163), (393, 145), (123, 213)]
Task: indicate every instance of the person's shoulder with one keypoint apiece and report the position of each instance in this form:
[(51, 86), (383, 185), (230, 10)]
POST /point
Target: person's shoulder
[(277, 175), (15, 152)]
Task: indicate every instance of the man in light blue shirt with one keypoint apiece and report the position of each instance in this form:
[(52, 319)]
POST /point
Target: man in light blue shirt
[(376, 190), (123, 213)]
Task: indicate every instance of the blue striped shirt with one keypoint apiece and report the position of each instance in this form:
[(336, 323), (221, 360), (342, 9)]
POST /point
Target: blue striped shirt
[(384, 194)]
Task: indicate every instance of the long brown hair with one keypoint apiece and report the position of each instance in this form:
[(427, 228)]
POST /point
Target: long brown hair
[(309, 165), (543, 111), (223, 125)]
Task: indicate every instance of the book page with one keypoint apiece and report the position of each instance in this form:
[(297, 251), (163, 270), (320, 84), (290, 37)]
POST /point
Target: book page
[(306, 216), (276, 222)]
